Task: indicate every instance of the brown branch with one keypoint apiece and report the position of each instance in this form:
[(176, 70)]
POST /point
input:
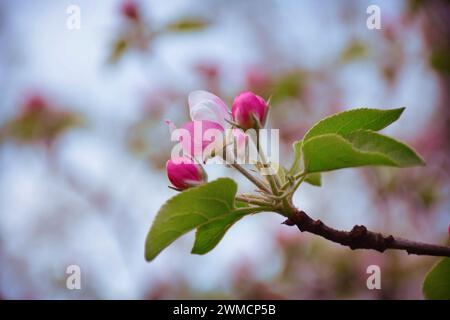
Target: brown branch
[(361, 238)]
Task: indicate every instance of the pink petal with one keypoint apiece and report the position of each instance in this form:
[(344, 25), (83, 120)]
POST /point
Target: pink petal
[(202, 127)]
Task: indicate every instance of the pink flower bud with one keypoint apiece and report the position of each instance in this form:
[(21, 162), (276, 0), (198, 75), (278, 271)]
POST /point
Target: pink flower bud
[(246, 108), (35, 103), (130, 10), (183, 173)]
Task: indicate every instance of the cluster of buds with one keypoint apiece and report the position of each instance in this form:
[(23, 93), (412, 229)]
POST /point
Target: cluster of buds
[(209, 112)]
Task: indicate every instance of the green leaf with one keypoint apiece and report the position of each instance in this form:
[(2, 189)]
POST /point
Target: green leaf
[(437, 282), (439, 60), (296, 163), (281, 174), (210, 234), (359, 148), (119, 48), (188, 210), (187, 25), (210, 208), (356, 50), (356, 119), (347, 140), (314, 179)]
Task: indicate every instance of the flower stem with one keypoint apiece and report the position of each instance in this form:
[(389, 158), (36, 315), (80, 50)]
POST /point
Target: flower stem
[(297, 184), (273, 182), (252, 210), (300, 176), (261, 185), (249, 200)]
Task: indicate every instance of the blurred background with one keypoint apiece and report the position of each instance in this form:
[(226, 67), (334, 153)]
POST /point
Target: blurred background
[(83, 143)]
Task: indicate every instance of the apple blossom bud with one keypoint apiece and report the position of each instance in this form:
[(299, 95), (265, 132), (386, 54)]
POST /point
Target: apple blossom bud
[(35, 103), (130, 10), (249, 110), (183, 173)]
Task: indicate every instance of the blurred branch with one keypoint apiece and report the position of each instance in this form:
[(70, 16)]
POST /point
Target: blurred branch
[(361, 238)]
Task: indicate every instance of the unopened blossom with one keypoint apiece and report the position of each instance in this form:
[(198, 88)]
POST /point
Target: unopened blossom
[(249, 110), (130, 10), (204, 105), (183, 173), (210, 127), (35, 103)]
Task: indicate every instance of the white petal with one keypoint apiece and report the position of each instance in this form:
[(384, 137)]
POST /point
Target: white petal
[(207, 110), (204, 105), (198, 96)]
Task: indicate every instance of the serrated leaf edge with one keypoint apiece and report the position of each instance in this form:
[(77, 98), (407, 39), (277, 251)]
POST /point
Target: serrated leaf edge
[(305, 137), (422, 162)]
